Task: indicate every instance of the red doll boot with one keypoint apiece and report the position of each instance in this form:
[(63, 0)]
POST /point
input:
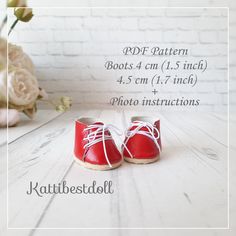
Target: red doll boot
[(142, 143), (94, 146)]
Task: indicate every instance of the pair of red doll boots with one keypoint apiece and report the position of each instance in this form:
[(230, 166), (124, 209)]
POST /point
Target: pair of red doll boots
[(95, 148)]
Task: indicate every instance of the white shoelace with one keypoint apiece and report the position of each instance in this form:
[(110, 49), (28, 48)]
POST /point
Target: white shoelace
[(150, 133), (99, 135)]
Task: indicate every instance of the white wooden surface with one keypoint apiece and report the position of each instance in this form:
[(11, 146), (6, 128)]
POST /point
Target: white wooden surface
[(187, 188)]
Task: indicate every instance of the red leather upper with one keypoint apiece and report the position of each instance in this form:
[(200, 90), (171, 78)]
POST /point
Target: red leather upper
[(95, 154), (142, 147)]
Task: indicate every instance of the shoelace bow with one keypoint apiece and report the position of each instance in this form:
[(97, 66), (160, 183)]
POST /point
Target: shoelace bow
[(101, 133), (150, 133)]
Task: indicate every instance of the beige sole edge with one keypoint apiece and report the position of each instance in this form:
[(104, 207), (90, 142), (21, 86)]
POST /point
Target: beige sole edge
[(141, 161), (97, 167)]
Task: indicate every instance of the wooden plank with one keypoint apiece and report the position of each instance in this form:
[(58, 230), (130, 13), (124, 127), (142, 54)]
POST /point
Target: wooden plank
[(207, 149), (26, 125), (46, 158), (181, 190), (171, 176), (3, 187), (3, 137), (80, 175), (209, 124), (23, 128), (20, 130)]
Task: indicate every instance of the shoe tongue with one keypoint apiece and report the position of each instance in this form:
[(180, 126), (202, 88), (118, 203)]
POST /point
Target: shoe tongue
[(107, 132), (143, 128), (135, 124), (96, 123)]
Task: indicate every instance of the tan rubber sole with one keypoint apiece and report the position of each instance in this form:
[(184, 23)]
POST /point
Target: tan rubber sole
[(141, 161), (97, 167)]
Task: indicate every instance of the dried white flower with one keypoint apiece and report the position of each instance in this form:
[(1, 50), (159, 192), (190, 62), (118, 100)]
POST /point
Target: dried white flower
[(23, 87), (20, 59)]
